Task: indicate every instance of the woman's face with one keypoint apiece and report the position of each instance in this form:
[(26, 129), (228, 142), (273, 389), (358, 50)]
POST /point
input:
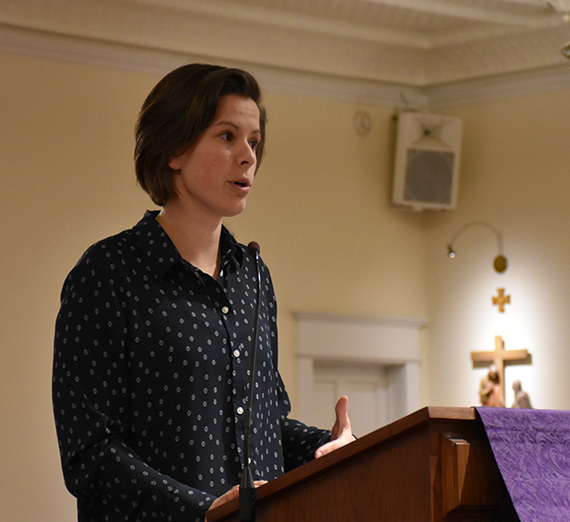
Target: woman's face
[(214, 177)]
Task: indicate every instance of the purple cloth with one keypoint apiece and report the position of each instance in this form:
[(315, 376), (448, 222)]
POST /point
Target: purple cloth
[(532, 450)]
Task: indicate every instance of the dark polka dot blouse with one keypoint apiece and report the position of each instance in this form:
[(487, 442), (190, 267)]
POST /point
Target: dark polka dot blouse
[(150, 380)]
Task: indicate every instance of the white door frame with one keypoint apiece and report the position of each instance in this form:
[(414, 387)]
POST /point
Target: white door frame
[(389, 342)]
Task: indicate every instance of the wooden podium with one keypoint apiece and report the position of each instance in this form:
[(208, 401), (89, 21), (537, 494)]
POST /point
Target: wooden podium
[(433, 465)]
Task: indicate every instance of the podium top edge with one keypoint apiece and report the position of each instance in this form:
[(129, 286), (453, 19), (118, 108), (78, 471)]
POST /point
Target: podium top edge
[(431, 413), (456, 413)]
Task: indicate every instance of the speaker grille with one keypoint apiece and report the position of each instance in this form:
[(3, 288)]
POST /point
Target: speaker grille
[(427, 157), (429, 176)]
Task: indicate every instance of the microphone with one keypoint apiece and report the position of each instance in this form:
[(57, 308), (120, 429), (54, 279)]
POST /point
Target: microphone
[(247, 488), (253, 249)]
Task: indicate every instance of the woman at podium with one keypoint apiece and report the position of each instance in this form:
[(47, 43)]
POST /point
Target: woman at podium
[(155, 335)]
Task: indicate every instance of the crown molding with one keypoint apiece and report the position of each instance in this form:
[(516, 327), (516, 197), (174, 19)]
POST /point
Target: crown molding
[(287, 79), (499, 87)]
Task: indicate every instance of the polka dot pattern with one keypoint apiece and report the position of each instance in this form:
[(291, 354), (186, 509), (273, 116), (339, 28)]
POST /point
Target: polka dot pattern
[(150, 380)]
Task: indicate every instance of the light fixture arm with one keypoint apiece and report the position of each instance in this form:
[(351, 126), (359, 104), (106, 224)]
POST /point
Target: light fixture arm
[(500, 262), (480, 223)]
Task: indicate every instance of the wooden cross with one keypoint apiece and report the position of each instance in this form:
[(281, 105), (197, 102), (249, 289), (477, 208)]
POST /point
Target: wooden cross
[(501, 299), (499, 356)]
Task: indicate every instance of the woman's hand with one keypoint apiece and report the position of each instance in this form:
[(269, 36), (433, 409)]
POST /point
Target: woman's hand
[(341, 432), (230, 495)]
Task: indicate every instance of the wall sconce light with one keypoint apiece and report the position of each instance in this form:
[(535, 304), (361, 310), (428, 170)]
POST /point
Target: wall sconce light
[(500, 263)]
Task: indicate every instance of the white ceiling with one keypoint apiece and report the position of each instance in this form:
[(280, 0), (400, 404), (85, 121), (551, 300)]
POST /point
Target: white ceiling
[(403, 52)]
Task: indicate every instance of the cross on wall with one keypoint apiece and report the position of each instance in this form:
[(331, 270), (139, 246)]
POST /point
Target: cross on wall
[(499, 357), (501, 299)]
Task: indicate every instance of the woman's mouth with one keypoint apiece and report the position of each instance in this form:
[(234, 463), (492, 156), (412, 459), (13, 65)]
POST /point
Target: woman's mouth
[(242, 186), (242, 183)]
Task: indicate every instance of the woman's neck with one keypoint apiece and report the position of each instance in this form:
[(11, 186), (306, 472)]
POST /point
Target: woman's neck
[(198, 241)]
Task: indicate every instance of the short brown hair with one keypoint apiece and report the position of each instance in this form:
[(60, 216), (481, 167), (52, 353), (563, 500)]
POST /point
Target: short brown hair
[(175, 114)]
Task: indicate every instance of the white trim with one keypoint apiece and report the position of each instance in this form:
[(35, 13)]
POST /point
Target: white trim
[(388, 342), (380, 340), (148, 60), (551, 79), (387, 320)]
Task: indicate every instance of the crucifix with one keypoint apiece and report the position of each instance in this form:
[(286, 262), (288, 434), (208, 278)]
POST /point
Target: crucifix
[(499, 357)]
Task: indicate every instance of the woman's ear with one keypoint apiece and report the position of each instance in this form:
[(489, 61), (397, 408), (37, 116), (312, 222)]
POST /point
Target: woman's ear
[(175, 163)]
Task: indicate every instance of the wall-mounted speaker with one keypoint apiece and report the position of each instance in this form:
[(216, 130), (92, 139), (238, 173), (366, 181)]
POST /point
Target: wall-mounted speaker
[(426, 166)]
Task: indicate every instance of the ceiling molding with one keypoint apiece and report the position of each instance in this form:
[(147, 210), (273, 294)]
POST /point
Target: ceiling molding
[(479, 90), (470, 60)]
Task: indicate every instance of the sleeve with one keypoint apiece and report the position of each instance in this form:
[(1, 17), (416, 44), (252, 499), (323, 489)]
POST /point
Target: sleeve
[(300, 442), (90, 398)]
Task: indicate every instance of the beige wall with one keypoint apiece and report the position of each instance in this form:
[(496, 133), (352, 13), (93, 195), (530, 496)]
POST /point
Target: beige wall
[(65, 178), (516, 166), (321, 213)]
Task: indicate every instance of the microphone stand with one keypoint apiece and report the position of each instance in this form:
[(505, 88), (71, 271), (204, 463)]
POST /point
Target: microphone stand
[(247, 488)]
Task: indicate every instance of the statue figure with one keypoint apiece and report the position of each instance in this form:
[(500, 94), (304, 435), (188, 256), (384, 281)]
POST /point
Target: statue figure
[(521, 398), (490, 392)]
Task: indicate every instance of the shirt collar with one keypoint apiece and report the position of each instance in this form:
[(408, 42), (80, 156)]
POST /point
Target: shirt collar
[(160, 252), (230, 248)]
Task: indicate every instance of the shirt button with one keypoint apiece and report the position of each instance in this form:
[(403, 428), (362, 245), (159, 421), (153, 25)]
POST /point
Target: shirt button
[(236, 353), (240, 410), (225, 309)]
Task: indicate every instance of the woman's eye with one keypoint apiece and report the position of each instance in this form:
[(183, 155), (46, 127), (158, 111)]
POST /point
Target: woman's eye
[(226, 136), (253, 144)]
